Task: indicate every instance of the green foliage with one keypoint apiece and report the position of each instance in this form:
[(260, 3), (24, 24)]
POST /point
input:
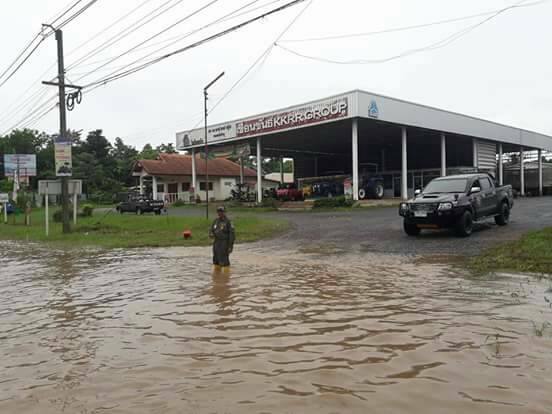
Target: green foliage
[(5, 186), (57, 216), (533, 254), (333, 202), (87, 210), (270, 202), (178, 203)]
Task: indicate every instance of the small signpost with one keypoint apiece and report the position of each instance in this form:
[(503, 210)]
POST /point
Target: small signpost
[(53, 187), (4, 200)]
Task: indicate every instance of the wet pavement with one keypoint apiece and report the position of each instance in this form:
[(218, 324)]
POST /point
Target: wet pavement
[(316, 329)]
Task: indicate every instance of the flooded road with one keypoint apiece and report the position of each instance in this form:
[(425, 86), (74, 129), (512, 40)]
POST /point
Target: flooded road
[(157, 331)]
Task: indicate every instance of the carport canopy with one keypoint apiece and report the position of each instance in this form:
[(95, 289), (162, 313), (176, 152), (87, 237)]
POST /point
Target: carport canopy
[(359, 132)]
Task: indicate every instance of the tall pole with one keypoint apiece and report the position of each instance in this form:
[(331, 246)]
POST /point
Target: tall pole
[(206, 97), (63, 130)]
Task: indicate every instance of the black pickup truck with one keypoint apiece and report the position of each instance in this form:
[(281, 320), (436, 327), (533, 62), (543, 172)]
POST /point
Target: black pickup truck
[(456, 202), (140, 204)]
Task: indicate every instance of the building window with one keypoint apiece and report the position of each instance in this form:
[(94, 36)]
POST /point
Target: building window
[(202, 186), (160, 188), (185, 187)]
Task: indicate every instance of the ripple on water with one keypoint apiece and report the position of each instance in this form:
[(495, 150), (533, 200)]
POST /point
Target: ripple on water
[(159, 331)]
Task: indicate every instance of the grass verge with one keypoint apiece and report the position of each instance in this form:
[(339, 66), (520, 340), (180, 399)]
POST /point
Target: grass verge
[(531, 254), (130, 231)]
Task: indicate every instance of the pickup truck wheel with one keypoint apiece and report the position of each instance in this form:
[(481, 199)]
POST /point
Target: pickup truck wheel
[(157, 212), (464, 226), (504, 217), (362, 193), (411, 229)]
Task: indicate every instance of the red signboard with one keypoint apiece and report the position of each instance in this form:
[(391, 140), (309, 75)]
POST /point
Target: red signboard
[(307, 115)]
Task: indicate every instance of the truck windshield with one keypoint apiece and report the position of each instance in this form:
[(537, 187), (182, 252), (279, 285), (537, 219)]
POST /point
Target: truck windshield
[(454, 185)]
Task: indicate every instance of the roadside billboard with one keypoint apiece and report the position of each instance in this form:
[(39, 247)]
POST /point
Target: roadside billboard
[(24, 165)]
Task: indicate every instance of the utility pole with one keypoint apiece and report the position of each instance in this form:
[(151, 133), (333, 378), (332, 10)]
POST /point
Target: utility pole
[(206, 97), (63, 138)]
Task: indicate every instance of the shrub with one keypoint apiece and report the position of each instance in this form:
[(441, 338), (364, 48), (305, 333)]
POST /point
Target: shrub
[(58, 216), (333, 202), (87, 210), (178, 203)]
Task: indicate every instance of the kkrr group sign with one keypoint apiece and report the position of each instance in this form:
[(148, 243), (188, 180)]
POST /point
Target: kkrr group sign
[(311, 114), (64, 161)]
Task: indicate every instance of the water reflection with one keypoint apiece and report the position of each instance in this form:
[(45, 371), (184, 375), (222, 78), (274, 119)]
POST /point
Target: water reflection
[(162, 331)]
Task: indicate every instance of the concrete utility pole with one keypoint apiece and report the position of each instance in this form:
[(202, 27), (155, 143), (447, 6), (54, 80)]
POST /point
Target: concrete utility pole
[(206, 97), (66, 214)]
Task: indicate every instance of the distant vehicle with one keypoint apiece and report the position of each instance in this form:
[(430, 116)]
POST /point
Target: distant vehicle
[(457, 202), (10, 208), (328, 189), (371, 186), (242, 193), (289, 192), (140, 204)]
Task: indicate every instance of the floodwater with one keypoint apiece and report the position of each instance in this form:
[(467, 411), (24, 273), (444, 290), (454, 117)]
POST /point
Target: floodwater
[(157, 331)]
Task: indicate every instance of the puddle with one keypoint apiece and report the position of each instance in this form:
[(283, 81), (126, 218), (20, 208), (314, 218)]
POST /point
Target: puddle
[(146, 331)]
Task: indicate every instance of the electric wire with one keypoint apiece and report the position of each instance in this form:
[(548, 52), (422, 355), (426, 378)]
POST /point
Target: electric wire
[(222, 33), (180, 21), (433, 46), (138, 24)]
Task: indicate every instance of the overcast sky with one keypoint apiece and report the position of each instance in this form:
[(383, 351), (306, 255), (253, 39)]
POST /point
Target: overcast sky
[(500, 71)]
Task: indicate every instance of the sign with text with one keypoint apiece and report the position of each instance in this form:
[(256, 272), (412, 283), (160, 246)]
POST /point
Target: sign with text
[(64, 161), (53, 187), (24, 165), (197, 136), (307, 115), (4, 198)]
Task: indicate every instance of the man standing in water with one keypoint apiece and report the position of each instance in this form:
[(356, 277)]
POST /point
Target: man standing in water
[(222, 231)]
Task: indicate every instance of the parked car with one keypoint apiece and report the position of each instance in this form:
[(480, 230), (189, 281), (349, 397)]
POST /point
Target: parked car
[(289, 192), (371, 186), (140, 204), (10, 208), (457, 202)]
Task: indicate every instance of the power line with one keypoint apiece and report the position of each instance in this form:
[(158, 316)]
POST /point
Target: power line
[(33, 49), (180, 21), (16, 109), (261, 59), (433, 46), (181, 37), (192, 46), (403, 28)]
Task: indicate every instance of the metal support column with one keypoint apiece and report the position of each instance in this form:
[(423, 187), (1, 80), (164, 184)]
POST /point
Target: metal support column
[(194, 172), (404, 165), (141, 185), (540, 174), (154, 187), (259, 172), (475, 153), (355, 159), (282, 180), (522, 171), (500, 165), (443, 155)]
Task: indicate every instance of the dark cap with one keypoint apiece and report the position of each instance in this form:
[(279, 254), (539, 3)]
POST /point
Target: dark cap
[(221, 209)]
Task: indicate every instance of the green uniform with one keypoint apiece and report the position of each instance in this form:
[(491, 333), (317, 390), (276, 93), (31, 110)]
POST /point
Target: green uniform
[(222, 231)]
